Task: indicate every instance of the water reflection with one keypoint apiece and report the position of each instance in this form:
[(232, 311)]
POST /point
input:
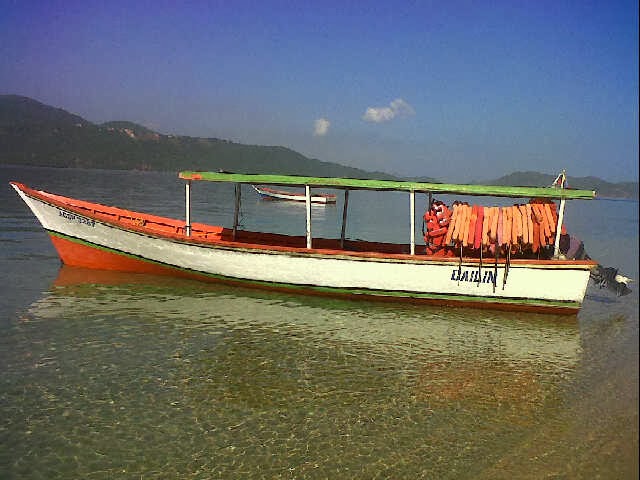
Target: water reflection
[(145, 375), (406, 327)]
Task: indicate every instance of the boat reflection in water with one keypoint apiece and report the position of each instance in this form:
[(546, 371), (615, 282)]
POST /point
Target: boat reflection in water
[(237, 382), (448, 331)]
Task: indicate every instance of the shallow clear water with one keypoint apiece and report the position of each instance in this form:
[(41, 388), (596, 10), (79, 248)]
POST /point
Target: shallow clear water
[(130, 376)]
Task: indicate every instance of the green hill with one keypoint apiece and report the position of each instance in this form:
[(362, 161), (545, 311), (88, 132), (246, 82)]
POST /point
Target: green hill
[(17, 111), (605, 189), (137, 129), (32, 133)]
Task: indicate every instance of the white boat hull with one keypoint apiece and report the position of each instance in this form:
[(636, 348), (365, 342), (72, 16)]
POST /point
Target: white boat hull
[(296, 197)]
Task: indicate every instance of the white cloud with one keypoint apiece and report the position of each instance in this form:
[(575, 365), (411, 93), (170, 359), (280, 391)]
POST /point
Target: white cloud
[(396, 108), (321, 127), (378, 114)]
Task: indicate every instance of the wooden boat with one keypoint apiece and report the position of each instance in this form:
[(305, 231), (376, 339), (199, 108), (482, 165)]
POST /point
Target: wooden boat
[(91, 235), (273, 194)]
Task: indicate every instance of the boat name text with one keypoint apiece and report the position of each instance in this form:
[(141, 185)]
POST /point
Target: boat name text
[(72, 217), (475, 275)]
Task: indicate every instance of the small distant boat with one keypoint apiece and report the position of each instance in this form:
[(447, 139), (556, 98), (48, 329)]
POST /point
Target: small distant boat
[(274, 194)]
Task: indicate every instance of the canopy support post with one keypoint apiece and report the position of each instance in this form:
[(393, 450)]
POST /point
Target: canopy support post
[(344, 218), (187, 220), (307, 191), (556, 245), (236, 210), (412, 210), (560, 182)]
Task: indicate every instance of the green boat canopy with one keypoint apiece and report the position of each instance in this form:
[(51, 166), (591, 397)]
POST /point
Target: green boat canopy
[(391, 185)]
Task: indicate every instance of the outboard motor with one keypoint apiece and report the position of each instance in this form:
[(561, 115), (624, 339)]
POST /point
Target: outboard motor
[(608, 277), (603, 277)]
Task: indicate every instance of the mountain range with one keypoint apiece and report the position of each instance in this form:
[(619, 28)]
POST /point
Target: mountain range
[(32, 133)]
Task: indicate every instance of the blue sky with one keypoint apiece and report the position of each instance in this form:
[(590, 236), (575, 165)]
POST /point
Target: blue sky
[(455, 90)]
